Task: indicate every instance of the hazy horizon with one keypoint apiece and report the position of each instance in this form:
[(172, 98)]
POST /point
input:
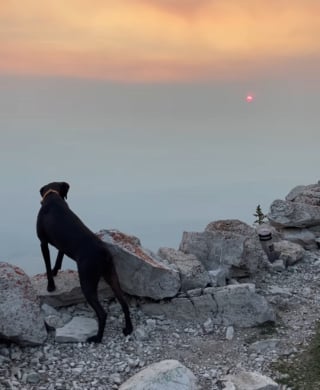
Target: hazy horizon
[(150, 160)]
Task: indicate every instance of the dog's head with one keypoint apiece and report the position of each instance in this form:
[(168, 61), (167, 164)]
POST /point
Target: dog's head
[(61, 188)]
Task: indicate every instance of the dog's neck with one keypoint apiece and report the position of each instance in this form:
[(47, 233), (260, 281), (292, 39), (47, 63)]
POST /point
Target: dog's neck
[(47, 193)]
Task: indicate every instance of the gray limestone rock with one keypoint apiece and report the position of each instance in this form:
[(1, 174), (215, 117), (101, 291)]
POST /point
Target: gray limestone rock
[(304, 237), (290, 252), (293, 214), (167, 374), (241, 306), (229, 244), (141, 272), (192, 272), (21, 318)]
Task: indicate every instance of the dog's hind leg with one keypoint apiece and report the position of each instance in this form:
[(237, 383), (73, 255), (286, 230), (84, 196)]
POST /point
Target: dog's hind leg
[(46, 256), (111, 277), (89, 284), (58, 263)]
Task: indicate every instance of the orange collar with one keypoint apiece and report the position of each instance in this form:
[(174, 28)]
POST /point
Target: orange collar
[(47, 193)]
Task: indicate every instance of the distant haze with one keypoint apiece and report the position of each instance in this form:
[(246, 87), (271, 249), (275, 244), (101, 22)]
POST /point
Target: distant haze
[(152, 161)]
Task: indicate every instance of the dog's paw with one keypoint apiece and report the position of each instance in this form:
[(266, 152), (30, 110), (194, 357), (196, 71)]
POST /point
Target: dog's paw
[(51, 287), (94, 339), (127, 330)]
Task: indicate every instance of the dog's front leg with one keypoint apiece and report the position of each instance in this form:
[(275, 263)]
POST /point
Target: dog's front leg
[(58, 263), (46, 257)]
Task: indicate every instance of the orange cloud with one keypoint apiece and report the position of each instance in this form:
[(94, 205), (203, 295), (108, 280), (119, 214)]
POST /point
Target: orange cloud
[(132, 40)]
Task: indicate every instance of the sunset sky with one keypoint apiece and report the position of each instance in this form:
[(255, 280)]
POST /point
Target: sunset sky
[(142, 106), (160, 40)]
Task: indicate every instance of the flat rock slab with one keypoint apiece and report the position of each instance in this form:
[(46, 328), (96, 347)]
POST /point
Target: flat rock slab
[(68, 290), (77, 330), (241, 306), (165, 375)]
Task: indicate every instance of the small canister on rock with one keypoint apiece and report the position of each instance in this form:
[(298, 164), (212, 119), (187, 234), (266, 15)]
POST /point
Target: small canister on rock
[(266, 241)]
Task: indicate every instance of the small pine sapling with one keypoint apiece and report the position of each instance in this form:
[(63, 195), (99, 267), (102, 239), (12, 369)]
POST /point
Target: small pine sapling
[(260, 216)]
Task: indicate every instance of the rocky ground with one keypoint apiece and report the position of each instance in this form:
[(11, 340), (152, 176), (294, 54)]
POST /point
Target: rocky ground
[(210, 351)]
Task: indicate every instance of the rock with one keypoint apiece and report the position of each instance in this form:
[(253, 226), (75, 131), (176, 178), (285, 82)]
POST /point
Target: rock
[(208, 326), (192, 272), (167, 374), (141, 272), (53, 318), (230, 225), (278, 266), (251, 381), (237, 305), (219, 276), (33, 378), (283, 291), (68, 290), (196, 292), (230, 333), (227, 385), (177, 308), (21, 319), (292, 214), (77, 330), (309, 194), (241, 306), (295, 192), (197, 308), (290, 252), (229, 244), (204, 306), (304, 237), (265, 346)]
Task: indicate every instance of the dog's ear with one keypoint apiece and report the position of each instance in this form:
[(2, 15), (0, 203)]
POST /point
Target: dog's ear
[(64, 189), (42, 190)]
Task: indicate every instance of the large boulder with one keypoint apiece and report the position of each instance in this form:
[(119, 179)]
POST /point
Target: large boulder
[(167, 374), (284, 213), (141, 272), (68, 290), (231, 244), (20, 314), (297, 217), (309, 194), (192, 272)]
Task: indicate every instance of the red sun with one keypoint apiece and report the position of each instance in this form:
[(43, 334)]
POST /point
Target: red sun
[(249, 98)]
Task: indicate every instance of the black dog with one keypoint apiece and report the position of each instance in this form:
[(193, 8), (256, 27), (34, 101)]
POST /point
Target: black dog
[(59, 226)]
